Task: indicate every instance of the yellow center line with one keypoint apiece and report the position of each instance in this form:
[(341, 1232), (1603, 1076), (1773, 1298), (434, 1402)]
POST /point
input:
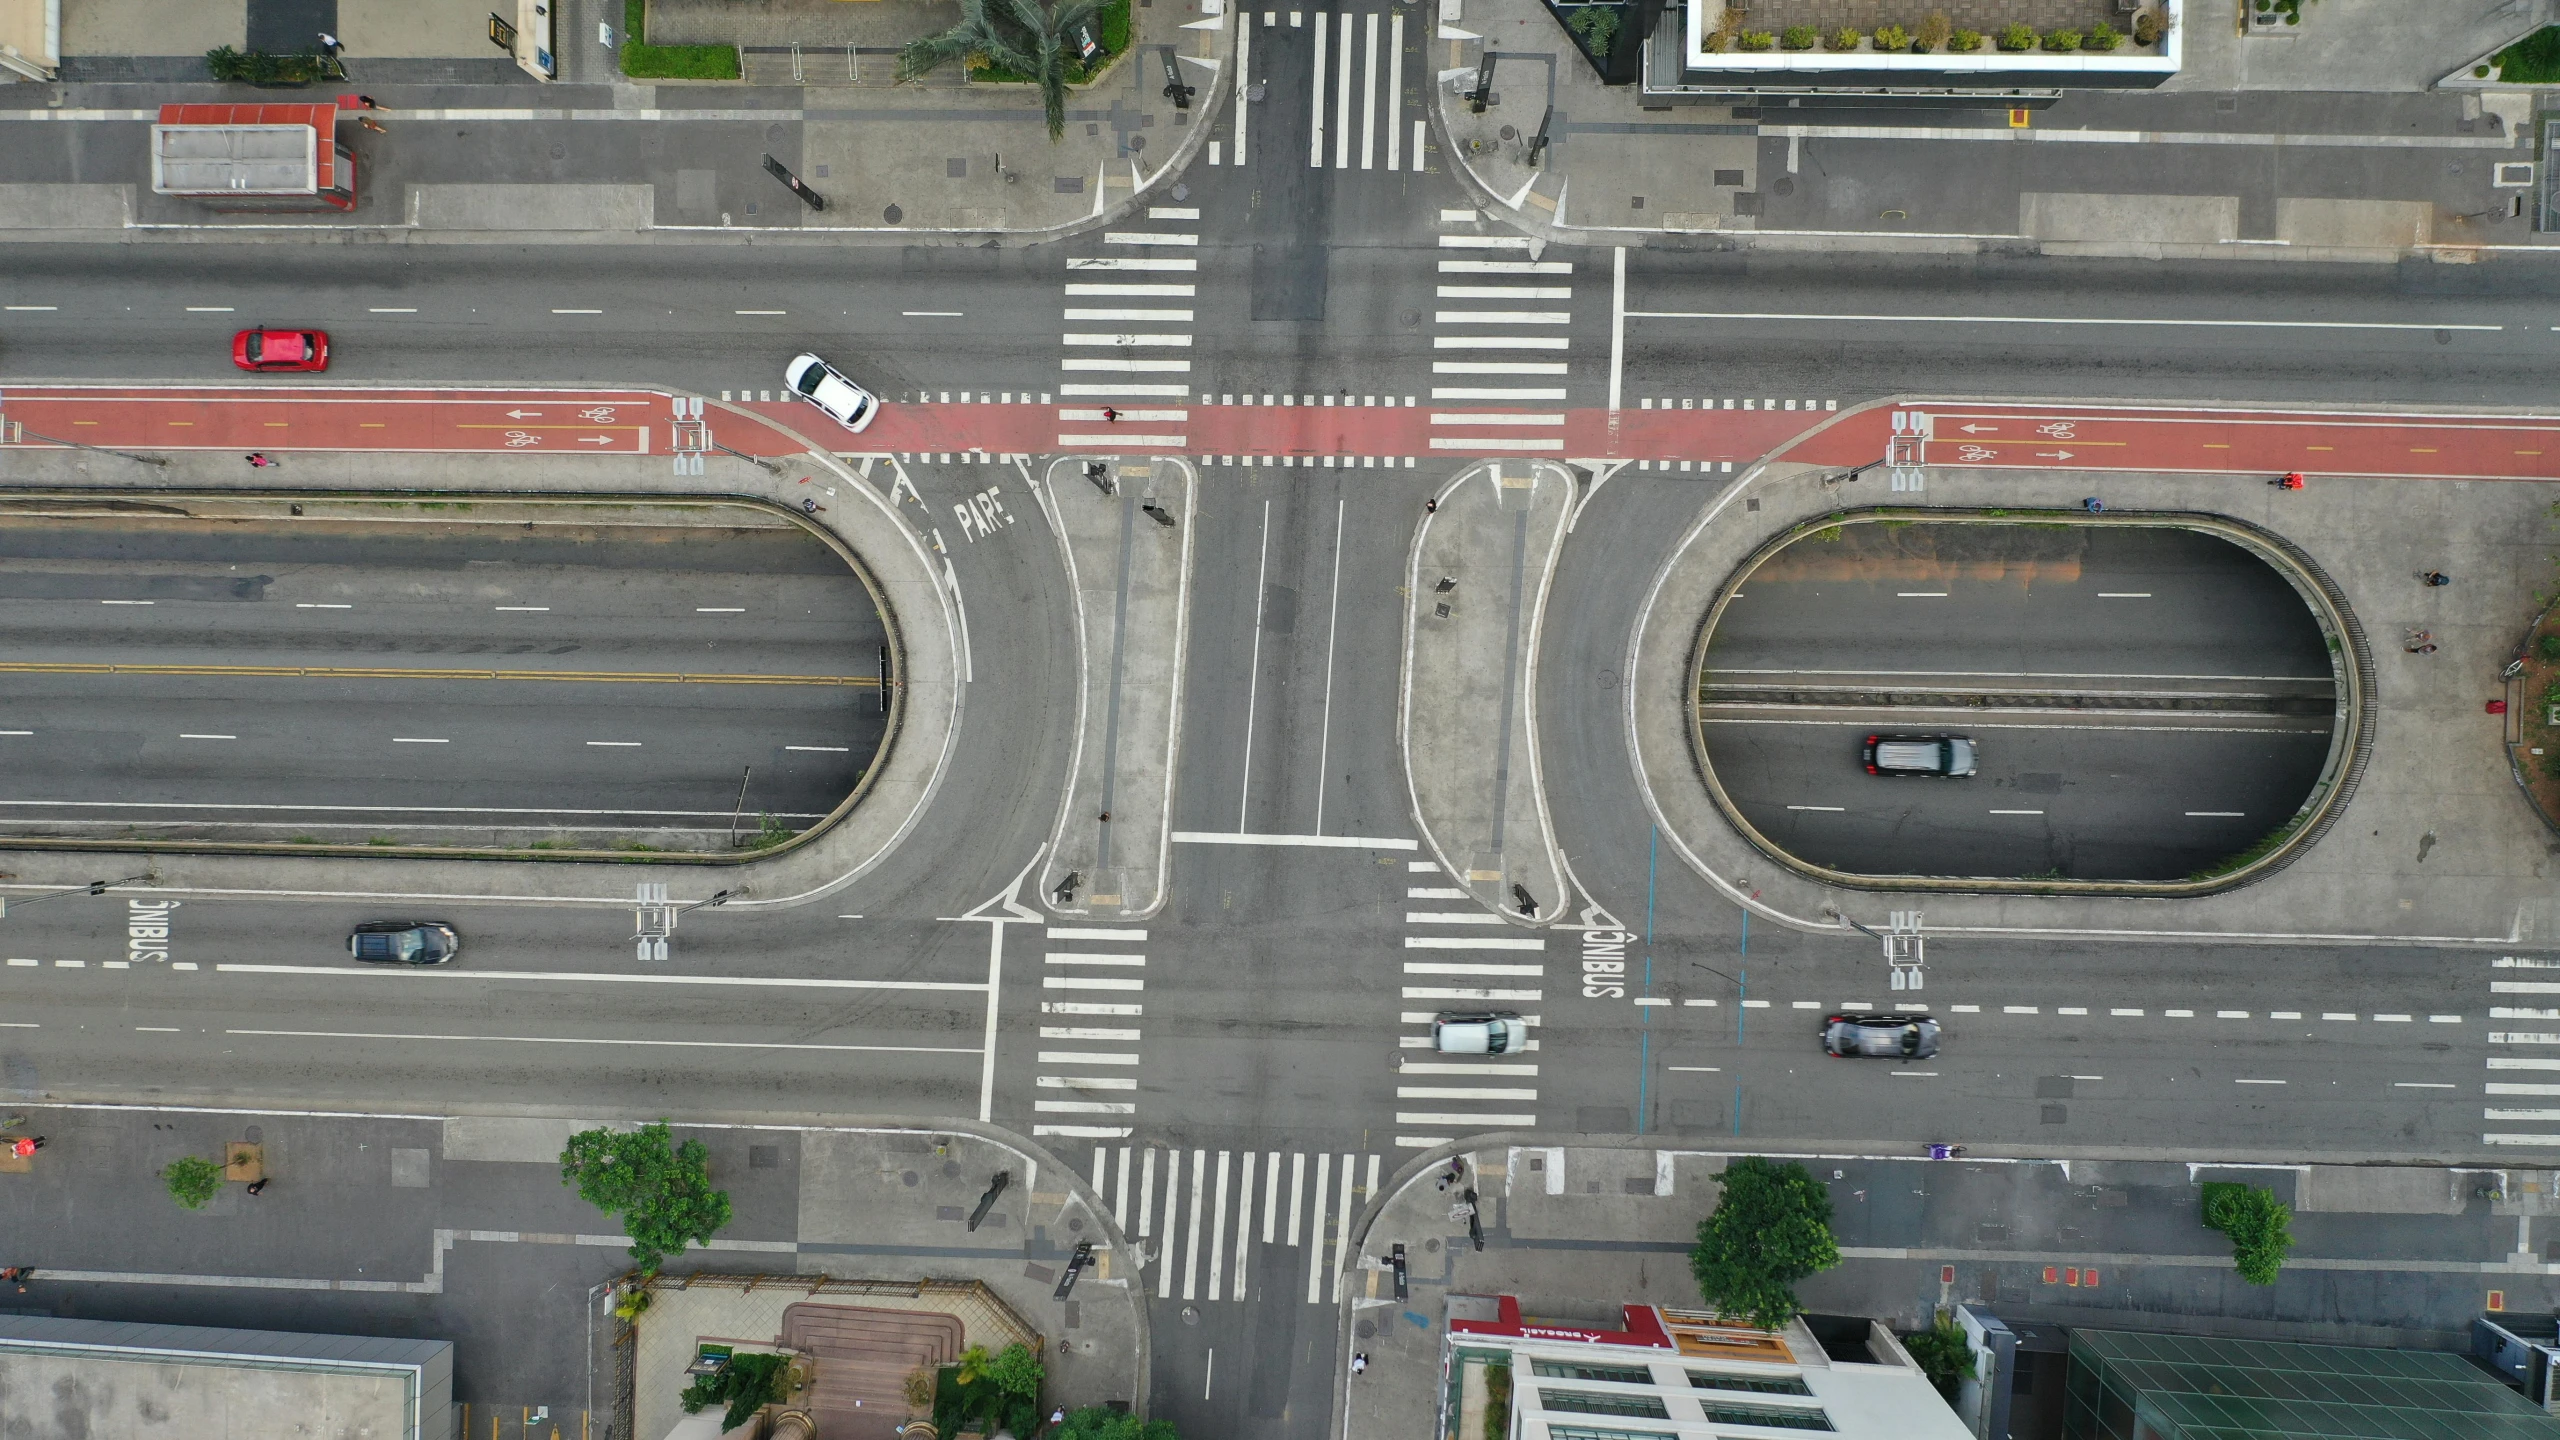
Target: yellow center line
[(340, 672), (2319, 447), (2422, 450)]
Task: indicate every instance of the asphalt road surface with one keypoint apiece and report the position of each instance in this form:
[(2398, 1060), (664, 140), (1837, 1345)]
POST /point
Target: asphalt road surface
[(2145, 702), (433, 682)]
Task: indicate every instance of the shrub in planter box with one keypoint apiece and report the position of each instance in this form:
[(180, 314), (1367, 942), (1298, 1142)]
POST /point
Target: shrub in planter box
[(1800, 37), (1934, 31), (2017, 37), (1756, 40), (1965, 42), (2062, 41), (2102, 37), (2147, 28), (1844, 38), (1893, 40)]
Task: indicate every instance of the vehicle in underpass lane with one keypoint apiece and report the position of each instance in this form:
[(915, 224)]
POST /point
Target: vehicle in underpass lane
[(1890, 1037), (404, 942), (1919, 755)]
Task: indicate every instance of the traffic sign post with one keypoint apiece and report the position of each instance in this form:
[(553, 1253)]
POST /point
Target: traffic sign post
[(781, 172)]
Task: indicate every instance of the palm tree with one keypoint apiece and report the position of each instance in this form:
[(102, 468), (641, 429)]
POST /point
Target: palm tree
[(1029, 38)]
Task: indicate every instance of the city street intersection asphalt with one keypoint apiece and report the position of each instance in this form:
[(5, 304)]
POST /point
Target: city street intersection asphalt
[(1273, 983)]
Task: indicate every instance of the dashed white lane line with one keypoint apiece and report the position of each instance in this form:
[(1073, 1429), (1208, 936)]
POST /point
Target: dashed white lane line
[(823, 749), (418, 740), (616, 744), (35, 307), (208, 309), (589, 1040), (719, 609), (558, 311), (2257, 1082), (319, 605), (128, 602), (186, 736), (759, 312), (524, 609), (392, 309)]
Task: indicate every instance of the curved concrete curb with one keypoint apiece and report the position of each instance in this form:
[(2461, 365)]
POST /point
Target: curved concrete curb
[(921, 606), (1105, 697), (2351, 664), (1442, 694)]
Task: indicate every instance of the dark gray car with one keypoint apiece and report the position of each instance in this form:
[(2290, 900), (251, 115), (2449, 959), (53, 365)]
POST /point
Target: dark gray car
[(404, 942), (1890, 1037)]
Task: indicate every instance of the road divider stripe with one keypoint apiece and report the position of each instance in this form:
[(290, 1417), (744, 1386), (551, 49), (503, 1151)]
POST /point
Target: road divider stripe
[(583, 1040), (606, 977), (352, 672)]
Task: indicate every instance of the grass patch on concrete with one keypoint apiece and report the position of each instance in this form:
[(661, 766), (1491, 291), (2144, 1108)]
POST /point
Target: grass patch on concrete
[(644, 61), (2533, 60)]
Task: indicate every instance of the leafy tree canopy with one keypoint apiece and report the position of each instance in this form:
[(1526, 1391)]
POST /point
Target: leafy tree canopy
[(661, 1190), (1771, 1228)]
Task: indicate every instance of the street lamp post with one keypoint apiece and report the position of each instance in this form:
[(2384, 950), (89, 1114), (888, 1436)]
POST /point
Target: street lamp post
[(94, 887)]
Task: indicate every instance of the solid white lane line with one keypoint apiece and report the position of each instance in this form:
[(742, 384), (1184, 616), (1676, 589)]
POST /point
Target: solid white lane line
[(2047, 320), (208, 309), (523, 609), (823, 749), (418, 740), (1315, 125), (1244, 77), (318, 605), (1468, 419), (35, 307), (2124, 594), (1253, 672), (577, 1040), (2449, 1085), (1332, 628), (1834, 809), (186, 736), (1430, 892), (128, 602), (931, 314), (2257, 1082), (2017, 812), (759, 312), (1369, 97), (392, 309), (606, 977), (719, 609), (616, 744), (1217, 1230)]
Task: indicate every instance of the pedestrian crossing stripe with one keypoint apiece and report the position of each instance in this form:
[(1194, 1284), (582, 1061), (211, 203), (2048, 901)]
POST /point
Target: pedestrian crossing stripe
[(1214, 1207)]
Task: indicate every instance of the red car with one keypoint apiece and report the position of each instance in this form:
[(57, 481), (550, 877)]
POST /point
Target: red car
[(281, 349)]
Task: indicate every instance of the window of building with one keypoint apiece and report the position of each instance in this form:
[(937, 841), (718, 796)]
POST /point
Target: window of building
[(1574, 1370), (1587, 1432), (1775, 1417), (1593, 1402), (1749, 1384)]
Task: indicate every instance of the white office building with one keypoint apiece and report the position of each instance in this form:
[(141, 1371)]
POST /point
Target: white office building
[(1682, 1375)]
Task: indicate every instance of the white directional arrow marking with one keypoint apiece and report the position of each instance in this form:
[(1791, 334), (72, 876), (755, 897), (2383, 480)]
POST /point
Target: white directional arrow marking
[(2054, 454), (607, 440), (1980, 429), (524, 414)]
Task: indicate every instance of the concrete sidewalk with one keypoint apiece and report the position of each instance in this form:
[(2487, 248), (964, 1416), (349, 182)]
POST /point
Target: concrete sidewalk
[(2393, 1256), (474, 157), (1128, 554), (1476, 590), (457, 1227), (2330, 143)]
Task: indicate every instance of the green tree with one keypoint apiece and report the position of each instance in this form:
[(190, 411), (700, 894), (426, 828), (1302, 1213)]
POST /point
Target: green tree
[(661, 1190), (1771, 1228), (192, 1180), (1095, 1422), (1943, 1354), (746, 1384), (2261, 1231), (1016, 1371), (1030, 39)]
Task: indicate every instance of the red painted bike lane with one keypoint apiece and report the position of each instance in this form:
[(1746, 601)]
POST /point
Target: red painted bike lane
[(1927, 434)]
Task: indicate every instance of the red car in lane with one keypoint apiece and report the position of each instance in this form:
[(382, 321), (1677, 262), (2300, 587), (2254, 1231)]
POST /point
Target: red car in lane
[(264, 349)]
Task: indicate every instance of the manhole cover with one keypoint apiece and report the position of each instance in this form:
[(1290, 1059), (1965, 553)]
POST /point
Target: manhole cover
[(1430, 1247), (910, 1179), (1409, 319), (893, 214), (1075, 1222), (1255, 90), (1783, 185), (1510, 132), (255, 1134), (1366, 1329), (1190, 1314), (950, 1169), (1137, 143)]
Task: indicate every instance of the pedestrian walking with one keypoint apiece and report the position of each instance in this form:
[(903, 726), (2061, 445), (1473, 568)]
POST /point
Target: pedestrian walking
[(1359, 1362), (1058, 1418), (2291, 480), (1110, 415), (26, 1146), (1106, 817), (258, 1186), (329, 45), (2436, 578), (369, 102), (1431, 506), (2093, 505), (376, 126), (2426, 649), (258, 460)]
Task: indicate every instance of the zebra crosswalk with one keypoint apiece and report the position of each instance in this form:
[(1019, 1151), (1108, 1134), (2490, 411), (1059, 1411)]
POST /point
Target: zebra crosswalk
[(1090, 1008), (1469, 959), (1129, 315), (2531, 1091), (1502, 334), (1217, 1206)]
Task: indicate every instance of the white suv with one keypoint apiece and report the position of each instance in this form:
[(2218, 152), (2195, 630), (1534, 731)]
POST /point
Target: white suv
[(824, 386)]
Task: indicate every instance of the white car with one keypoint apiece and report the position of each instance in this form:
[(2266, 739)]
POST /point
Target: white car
[(824, 386)]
